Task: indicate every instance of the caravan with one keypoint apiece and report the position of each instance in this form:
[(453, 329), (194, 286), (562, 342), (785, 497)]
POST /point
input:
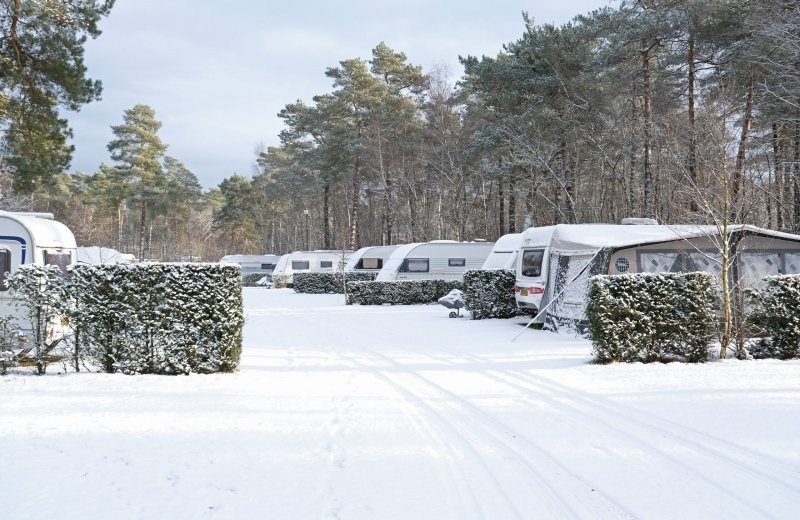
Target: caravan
[(578, 252), (31, 238), (436, 260), (532, 269), (504, 253), (369, 259), (253, 264), (320, 261)]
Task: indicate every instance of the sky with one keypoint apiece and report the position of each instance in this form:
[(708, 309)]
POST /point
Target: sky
[(217, 73)]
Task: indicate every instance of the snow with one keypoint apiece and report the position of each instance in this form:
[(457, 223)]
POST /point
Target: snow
[(354, 412)]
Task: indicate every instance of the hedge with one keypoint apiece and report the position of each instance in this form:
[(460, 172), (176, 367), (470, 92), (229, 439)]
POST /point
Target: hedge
[(776, 316), (490, 293), (327, 283), (399, 292), (652, 317), (159, 318)]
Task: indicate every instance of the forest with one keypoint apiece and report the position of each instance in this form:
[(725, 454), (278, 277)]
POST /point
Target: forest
[(685, 111)]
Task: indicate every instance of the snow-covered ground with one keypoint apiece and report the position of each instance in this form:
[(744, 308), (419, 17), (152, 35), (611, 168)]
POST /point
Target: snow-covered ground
[(400, 412)]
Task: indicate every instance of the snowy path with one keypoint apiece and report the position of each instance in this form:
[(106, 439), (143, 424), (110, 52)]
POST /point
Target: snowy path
[(399, 412)]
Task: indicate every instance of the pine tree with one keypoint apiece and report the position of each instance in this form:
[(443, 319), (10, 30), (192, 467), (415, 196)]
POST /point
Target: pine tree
[(41, 69), (138, 151)]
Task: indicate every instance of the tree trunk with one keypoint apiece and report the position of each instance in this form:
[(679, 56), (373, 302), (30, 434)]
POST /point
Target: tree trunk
[(777, 189), (412, 211), (326, 229), (355, 203), (738, 171), (142, 226), (512, 208), (569, 180), (501, 201), (692, 158), (796, 177), (647, 173)]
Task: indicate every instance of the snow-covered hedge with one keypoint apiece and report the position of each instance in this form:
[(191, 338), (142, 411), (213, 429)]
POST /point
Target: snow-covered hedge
[(159, 318), (399, 293), (281, 281), (490, 294), (652, 317), (776, 317), (327, 283)]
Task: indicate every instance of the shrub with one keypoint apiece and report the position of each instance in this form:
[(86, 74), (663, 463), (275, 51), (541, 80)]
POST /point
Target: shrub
[(490, 294), (399, 293), (327, 283), (652, 317), (159, 318), (776, 317)]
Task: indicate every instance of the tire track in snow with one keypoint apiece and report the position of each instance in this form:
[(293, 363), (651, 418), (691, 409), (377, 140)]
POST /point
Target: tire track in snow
[(489, 425), (458, 483), (586, 406)]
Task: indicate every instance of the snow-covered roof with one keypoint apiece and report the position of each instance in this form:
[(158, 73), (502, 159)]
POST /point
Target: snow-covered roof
[(576, 237), (508, 243), (537, 236), (239, 259), (44, 231)]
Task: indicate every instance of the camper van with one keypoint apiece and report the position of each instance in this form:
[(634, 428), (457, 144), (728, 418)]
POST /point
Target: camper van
[(532, 268), (504, 253), (578, 252), (437, 260), (31, 238), (369, 259), (253, 264), (320, 261)]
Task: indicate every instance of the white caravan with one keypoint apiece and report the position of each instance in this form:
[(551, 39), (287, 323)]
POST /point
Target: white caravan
[(369, 259), (532, 269), (436, 260), (320, 261), (504, 253), (258, 264), (31, 238)]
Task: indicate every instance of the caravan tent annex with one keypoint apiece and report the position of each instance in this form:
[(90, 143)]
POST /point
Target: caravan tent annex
[(578, 252), (369, 259), (437, 260), (31, 238), (320, 261), (504, 253)]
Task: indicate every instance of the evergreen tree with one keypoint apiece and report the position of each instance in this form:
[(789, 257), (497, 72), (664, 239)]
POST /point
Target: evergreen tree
[(41, 69), (138, 151)]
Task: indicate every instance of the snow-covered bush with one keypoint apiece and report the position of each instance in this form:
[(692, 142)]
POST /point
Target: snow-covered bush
[(399, 293), (490, 293), (776, 317), (652, 317), (327, 283), (281, 281), (159, 318)]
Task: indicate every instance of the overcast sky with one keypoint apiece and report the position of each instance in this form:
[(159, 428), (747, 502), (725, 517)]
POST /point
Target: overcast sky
[(218, 72)]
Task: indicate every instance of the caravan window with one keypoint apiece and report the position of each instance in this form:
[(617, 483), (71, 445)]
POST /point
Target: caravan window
[(532, 262), (62, 260), (268, 267), (326, 263), (415, 265), (5, 266), (299, 265), (456, 262), (370, 263)]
